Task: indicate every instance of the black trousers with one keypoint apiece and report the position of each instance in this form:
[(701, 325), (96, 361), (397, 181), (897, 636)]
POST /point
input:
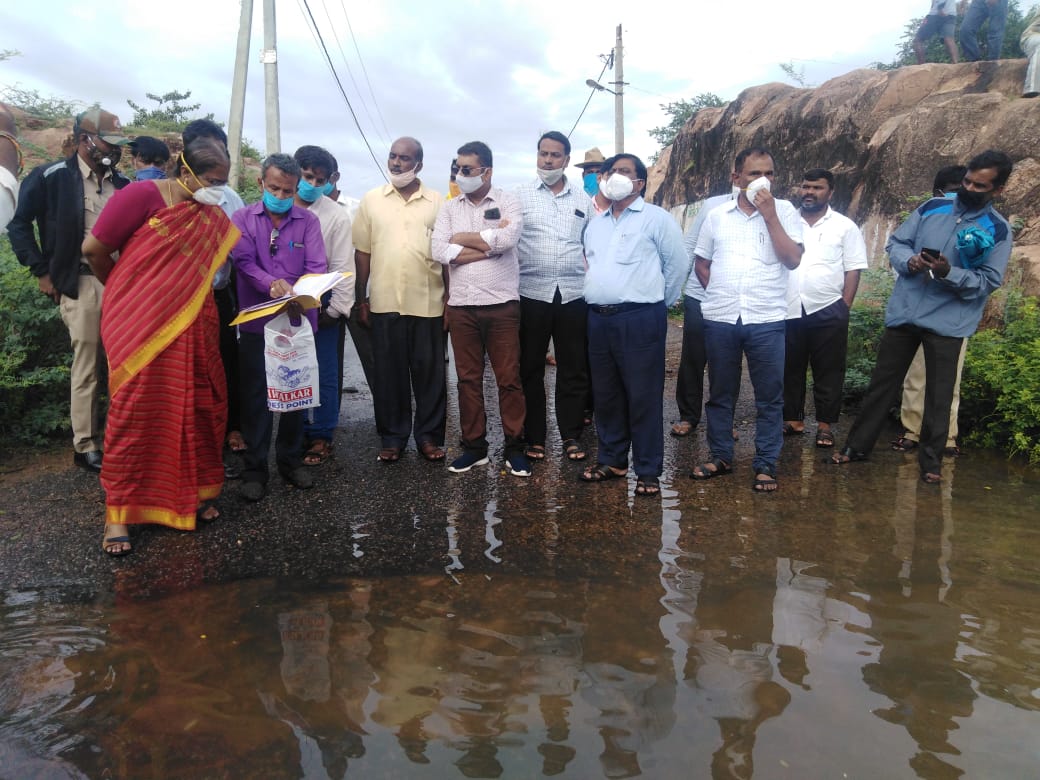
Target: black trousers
[(689, 386), (819, 340), (566, 325), (227, 308), (258, 420), (895, 353), (409, 360), (362, 338)]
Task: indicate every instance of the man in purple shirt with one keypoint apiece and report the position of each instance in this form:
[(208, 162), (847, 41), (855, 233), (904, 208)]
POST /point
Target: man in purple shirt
[(280, 243)]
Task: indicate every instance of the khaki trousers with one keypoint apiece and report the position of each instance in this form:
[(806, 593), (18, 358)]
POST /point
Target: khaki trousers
[(911, 411), (82, 316)]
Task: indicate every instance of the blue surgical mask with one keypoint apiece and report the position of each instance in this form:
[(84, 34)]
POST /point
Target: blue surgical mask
[(327, 189), (308, 191), (590, 181), (151, 172), (951, 195), (276, 205)]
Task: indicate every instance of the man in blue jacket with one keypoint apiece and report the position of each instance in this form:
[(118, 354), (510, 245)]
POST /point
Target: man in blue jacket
[(950, 255)]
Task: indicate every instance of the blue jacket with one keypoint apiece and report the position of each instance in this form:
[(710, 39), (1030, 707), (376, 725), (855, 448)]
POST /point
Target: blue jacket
[(951, 306)]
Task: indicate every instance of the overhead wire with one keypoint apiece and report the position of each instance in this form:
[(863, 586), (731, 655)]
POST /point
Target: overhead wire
[(364, 70), (364, 105), (592, 91), (342, 91)]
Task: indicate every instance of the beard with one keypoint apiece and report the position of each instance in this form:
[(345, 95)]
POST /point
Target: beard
[(813, 205)]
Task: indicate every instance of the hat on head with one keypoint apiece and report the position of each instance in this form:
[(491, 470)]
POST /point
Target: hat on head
[(103, 124), (592, 157)]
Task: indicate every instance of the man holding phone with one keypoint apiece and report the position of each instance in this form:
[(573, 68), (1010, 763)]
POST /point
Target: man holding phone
[(950, 255)]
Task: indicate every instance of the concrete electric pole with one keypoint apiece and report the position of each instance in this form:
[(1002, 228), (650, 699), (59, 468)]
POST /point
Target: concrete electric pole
[(238, 93), (619, 100), (269, 57)]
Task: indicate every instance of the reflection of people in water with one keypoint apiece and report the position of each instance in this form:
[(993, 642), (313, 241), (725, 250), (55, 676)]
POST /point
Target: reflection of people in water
[(919, 634)]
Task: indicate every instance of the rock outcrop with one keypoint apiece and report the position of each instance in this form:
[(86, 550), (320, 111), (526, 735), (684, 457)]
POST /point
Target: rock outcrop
[(882, 133)]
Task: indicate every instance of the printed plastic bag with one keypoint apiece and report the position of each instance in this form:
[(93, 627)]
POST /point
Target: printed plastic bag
[(292, 365)]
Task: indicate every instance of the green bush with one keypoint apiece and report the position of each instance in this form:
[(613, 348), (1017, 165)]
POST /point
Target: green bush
[(35, 355), (1000, 386), (866, 325)]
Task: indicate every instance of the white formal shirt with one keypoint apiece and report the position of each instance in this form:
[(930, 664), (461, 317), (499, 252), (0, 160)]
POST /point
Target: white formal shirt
[(8, 197), (693, 284), (747, 280), (833, 246)]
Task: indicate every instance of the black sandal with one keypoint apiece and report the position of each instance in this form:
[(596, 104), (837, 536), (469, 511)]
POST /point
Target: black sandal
[(903, 444), (648, 486), (601, 472), (767, 485), (847, 455), (721, 468)]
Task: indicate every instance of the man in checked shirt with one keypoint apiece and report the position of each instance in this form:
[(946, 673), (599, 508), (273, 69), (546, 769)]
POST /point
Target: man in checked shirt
[(475, 236), (552, 276)]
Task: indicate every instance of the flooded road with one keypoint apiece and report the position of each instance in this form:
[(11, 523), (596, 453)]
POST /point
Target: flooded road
[(400, 622)]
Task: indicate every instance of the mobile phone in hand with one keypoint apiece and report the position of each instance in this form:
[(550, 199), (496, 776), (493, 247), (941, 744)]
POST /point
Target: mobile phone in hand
[(932, 253)]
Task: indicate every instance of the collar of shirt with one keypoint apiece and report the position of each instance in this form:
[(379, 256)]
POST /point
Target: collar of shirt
[(541, 185), (87, 172), (636, 205), (422, 192), (820, 221), (493, 195)]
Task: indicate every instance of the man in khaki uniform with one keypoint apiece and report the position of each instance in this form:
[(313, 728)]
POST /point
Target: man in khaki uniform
[(63, 200)]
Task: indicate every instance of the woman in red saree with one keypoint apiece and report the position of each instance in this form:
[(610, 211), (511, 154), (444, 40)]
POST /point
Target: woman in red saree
[(167, 392)]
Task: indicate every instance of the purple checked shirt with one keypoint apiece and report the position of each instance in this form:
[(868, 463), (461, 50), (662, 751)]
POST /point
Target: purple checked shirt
[(299, 249)]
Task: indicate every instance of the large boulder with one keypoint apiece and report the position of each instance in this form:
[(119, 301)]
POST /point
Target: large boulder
[(882, 133)]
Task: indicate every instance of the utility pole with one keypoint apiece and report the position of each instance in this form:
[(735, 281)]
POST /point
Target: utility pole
[(619, 100), (269, 57), (238, 93)]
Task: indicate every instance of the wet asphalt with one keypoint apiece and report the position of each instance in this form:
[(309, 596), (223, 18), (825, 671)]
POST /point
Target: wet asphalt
[(366, 518)]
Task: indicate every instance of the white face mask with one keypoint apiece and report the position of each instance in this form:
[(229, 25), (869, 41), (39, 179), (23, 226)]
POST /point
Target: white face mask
[(617, 187), (761, 183), (402, 180), (550, 177), (468, 184), (209, 196)]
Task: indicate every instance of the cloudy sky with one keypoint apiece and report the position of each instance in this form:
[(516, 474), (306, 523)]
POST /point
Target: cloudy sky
[(446, 72)]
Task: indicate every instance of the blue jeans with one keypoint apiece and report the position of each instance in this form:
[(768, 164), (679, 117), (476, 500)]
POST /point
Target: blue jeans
[(978, 12), (325, 417), (764, 346), (626, 354)]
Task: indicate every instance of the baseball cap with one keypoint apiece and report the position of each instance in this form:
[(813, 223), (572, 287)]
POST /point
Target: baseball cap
[(101, 123)]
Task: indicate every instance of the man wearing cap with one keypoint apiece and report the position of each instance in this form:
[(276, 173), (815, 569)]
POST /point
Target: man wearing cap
[(63, 200)]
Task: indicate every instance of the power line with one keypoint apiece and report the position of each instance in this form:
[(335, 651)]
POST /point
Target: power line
[(606, 64), (350, 72), (342, 91), (365, 70)]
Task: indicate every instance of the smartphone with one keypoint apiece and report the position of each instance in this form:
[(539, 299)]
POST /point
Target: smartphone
[(932, 253)]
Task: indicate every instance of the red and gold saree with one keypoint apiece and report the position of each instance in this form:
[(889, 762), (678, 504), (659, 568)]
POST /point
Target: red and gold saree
[(167, 392)]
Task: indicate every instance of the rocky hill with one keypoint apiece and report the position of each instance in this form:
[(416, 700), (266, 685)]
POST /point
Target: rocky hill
[(882, 133)]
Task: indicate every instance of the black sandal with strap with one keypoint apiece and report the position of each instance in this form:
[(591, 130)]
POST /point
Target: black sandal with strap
[(721, 468)]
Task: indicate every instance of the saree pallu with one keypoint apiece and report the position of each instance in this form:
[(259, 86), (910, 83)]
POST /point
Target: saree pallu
[(167, 392)]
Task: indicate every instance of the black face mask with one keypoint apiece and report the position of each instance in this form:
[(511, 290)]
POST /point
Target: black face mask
[(973, 201)]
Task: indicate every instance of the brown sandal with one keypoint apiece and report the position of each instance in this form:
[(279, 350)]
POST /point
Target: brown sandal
[(389, 455), (317, 453), (431, 451)]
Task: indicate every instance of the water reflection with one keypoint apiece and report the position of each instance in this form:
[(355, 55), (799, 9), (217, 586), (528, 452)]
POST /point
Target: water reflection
[(898, 641)]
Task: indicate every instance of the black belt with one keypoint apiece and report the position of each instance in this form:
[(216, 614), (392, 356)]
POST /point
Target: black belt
[(85, 270), (616, 308)]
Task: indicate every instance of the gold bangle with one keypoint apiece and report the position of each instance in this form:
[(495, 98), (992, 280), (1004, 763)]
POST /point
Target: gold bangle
[(17, 148)]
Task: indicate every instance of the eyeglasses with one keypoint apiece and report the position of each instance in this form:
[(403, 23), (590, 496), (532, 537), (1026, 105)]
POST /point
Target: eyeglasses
[(274, 242), (466, 170)]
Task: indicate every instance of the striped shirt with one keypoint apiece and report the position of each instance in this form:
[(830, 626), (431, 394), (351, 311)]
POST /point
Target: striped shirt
[(550, 250), (747, 281), (499, 220)]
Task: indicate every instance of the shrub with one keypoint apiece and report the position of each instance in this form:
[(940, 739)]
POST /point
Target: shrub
[(1000, 399), (866, 325), (35, 355)]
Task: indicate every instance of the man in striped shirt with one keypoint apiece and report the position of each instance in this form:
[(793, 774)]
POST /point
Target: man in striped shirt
[(552, 275)]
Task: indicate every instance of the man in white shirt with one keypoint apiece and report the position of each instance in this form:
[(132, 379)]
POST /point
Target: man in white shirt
[(744, 252), (316, 168), (820, 292)]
